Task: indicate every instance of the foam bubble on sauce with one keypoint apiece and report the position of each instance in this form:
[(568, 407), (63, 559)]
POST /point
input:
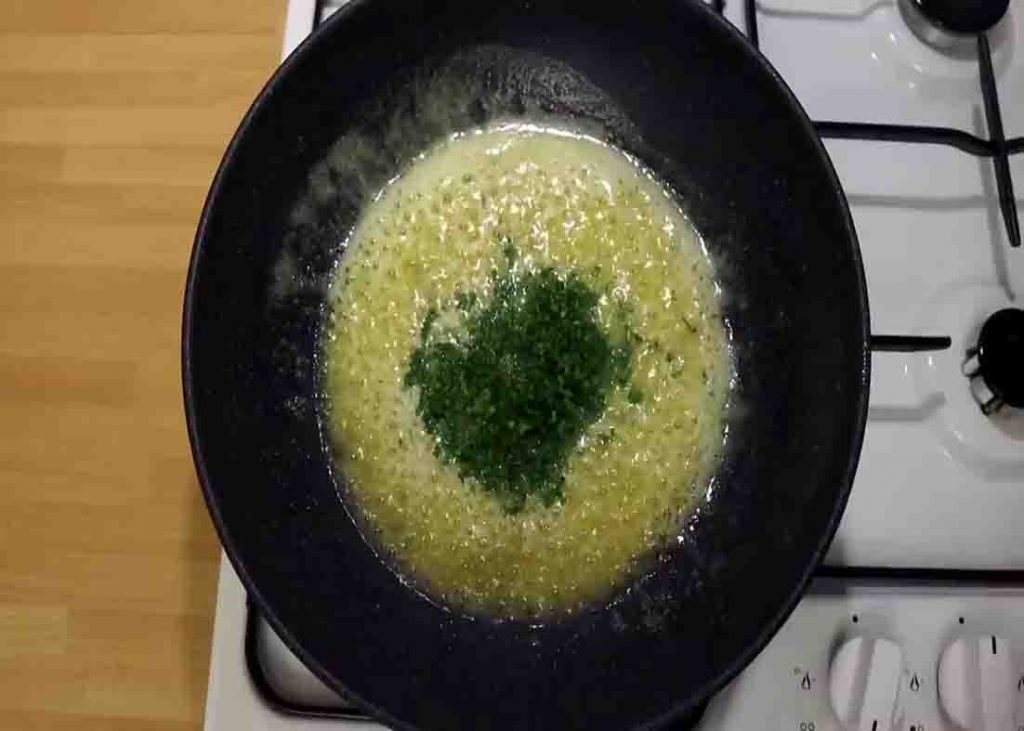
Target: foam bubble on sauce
[(571, 203)]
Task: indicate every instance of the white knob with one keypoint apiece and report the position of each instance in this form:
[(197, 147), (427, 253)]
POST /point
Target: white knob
[(977, 683), (863, 684)]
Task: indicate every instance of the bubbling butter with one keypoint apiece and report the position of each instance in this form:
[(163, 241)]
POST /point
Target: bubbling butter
[(569, 204)]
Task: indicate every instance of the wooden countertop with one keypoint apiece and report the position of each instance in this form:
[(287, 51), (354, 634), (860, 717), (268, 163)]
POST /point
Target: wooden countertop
[(113, 116)]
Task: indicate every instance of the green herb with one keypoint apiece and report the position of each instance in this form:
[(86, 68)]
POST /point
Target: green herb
[(508, 397)]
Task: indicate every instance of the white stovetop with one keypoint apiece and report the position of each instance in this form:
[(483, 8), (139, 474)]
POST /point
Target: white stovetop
[(938, 485)]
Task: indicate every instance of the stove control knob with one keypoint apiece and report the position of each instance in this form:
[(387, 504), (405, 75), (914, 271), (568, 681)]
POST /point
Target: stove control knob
[(864, 682), (977, 683)]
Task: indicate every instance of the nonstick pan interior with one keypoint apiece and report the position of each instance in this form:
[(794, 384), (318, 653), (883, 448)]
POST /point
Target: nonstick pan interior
[(671, 83)]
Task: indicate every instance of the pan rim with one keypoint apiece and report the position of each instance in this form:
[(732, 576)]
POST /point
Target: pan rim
[(730, 35)]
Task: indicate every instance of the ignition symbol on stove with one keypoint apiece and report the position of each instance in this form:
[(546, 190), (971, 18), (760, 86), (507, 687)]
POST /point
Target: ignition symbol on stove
[(915, 683), (806, 682)]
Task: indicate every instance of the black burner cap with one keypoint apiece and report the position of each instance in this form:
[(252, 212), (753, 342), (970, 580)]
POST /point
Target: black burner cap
[(963, 16), (1001, 355)]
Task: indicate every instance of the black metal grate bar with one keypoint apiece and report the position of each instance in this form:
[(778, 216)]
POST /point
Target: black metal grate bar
[(922, 576), (1004, 181), (750, 17), (718, 6), (318, 11), (908, 343), (916, 134)]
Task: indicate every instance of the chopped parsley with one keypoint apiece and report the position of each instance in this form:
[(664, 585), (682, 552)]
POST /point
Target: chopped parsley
[(508, 394)]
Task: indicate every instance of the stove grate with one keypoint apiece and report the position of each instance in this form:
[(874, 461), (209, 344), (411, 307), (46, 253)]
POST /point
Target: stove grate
[(996, 146)]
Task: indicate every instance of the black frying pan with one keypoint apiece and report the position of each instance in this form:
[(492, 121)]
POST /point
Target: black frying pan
[(677, 86)]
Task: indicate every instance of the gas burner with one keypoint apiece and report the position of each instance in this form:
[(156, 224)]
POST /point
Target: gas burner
[(990, 445), (995, 365), (949, 24), (933, 71)]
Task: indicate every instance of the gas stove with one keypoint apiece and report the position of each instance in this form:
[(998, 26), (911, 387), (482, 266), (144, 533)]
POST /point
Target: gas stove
[(916, 620)]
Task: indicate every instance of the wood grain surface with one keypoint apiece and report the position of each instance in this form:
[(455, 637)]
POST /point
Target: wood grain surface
[(113, 116)]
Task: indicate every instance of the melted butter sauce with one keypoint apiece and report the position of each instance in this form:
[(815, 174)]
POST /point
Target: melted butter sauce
[(572, 203)]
